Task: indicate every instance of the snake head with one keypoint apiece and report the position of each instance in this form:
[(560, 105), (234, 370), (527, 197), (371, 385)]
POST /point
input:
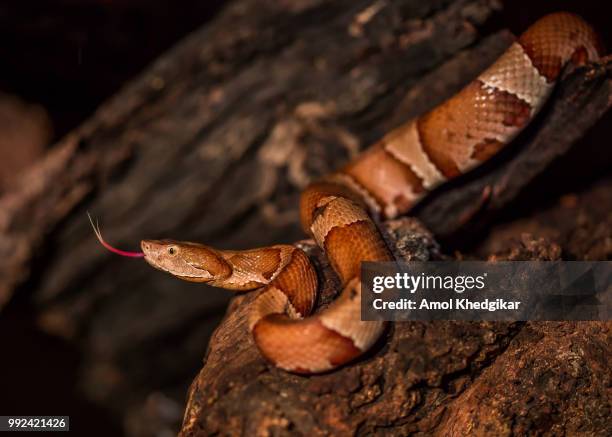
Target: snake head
[(185, 260)]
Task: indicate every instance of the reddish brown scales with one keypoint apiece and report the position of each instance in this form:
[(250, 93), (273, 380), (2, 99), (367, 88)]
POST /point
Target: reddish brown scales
[(267, 261), (438, 156), (302, 346), (348, 246), (580, 56), (298, 282), (317, 191), (477, 115), (486, 149), (388, 180), (554, 40)]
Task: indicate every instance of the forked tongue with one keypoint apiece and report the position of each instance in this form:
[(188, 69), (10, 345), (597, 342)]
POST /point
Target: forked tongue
[(96, 229)]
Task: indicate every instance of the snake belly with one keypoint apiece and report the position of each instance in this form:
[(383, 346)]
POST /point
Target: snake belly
[(387, 179)]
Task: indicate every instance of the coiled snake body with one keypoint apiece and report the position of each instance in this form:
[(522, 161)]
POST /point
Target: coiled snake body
[(383, 182)]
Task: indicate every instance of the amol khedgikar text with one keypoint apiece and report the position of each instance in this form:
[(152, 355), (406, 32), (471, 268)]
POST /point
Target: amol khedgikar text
[(481, 290)]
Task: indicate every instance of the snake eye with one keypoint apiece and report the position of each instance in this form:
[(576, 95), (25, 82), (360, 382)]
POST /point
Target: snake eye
[(171, 250)]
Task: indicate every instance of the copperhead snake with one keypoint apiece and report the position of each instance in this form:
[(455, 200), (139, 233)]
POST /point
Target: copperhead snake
[(386, 180)]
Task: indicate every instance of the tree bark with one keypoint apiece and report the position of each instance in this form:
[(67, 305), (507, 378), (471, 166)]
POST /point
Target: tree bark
[(434, 378), (213, 143)]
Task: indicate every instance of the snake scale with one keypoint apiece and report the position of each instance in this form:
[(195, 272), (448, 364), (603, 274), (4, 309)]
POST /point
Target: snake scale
[(386, 180)]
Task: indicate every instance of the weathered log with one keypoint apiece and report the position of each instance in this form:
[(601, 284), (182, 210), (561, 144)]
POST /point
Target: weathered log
[(435, 378), (212, 143), (581, 99), (25, 130)]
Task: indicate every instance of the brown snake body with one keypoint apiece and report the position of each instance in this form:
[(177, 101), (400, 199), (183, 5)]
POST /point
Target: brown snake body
[(383, 182)]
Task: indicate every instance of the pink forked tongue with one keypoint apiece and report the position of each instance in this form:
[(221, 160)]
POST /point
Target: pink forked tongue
[(96, 229)]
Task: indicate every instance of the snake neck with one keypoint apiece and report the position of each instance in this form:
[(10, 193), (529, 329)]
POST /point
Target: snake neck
[(254, 268)]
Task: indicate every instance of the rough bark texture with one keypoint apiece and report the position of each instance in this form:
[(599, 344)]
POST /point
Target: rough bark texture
[(212, 143), (26, 130), (436, 378)]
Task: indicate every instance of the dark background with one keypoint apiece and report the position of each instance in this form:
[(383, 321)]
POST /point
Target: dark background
[(69, 56)]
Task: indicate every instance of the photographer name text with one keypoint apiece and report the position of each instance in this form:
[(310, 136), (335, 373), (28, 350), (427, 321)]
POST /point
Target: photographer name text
[(406, 283)]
